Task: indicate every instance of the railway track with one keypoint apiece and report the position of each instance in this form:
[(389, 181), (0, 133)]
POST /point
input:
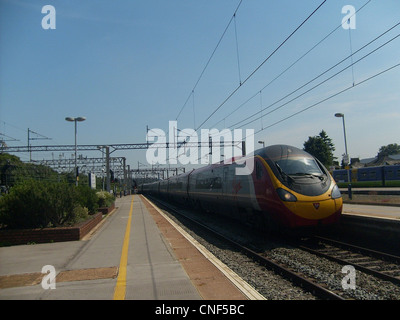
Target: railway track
[(306, 283), (376, 263), (312, 267)]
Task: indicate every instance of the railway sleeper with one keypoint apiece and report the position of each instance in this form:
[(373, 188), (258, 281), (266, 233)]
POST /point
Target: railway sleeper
[(342, 253), (395, 272), (370, 263), (360, 259)]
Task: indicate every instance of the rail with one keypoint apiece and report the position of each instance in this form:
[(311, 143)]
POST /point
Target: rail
[(294, 277)]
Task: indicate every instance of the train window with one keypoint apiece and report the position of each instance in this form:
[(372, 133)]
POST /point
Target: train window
[(299, 165), (259, 172), (216, 183), (201, 183), (390, 174)]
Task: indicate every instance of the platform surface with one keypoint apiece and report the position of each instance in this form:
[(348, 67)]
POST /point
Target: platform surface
[(379, 211), (89, 269)]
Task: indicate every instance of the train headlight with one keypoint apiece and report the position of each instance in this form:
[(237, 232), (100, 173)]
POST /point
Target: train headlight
[(286, 195), (336, 192)]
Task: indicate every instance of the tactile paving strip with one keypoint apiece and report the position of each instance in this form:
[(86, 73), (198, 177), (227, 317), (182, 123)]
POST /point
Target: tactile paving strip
[(31, 279)]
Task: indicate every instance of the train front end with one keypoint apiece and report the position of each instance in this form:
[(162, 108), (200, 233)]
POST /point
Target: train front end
[(308, 194)]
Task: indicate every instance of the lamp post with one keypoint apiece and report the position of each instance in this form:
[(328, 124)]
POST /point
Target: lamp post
[(262, 142), (80, 119), (346, 157)]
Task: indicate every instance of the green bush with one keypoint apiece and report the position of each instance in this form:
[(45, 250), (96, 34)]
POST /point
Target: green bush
[(88, 198), (80, 214), (23, 206), (37, 204), (105, 199)]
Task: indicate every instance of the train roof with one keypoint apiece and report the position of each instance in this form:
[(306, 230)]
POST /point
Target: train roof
[(279, 151), (273, 152)]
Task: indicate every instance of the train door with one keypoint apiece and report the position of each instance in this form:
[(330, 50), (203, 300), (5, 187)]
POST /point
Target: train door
[(225, 182), (216, 185), (227, 190)]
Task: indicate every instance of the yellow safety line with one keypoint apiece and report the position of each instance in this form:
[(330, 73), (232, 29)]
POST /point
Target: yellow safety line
[(120, 288)]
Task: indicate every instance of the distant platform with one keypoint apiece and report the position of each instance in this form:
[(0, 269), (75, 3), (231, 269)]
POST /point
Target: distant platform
[(375, 190), (379, 211)]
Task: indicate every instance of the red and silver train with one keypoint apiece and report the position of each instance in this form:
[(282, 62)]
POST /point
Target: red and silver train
[(288, 187)]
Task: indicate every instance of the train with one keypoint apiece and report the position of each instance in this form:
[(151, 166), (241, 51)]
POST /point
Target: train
[(288, 188), (378, 173)]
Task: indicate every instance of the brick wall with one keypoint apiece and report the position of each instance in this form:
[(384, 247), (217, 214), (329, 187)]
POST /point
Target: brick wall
[(106, 210), (23, 236), (86, 226)]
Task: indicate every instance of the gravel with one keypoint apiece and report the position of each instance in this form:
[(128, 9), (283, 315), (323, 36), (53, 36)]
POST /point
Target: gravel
[(273, 286)]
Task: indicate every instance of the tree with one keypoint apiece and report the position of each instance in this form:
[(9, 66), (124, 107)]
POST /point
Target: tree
[(321, 147), (388, 150), (327, 141), (14, 171)]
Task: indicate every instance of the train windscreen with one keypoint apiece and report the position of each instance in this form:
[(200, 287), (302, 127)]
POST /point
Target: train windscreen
[(296, 169), (299, 166)]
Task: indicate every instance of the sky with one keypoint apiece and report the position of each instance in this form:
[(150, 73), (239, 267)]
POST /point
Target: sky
[(127, 65)]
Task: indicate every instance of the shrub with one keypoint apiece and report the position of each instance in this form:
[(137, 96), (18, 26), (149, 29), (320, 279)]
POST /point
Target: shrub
[(80, 214), (23, 207), (105, 199), (37, 204), (88, 198)]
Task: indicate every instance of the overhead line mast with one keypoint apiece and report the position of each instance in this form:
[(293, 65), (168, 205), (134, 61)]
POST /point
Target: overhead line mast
[(39, 137)]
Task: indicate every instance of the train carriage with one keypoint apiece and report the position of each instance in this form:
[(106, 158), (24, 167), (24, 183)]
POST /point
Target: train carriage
[(369, 174), (287, 187)]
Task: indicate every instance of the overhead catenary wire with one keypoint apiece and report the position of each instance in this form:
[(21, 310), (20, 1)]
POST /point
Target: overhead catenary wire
[(290, 66), (259, 66), (325, 99), (331, 96), (336, 94), (315, 78), (6, 136), (319, 84), (255, 70), (328, 98), (237, 50), (209, 59)]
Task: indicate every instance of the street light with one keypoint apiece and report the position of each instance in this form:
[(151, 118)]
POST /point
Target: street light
[(262, 142), (80, 119), (346, 157)]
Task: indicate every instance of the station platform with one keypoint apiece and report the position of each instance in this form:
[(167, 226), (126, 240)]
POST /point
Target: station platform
[(373, 190), (368, 210), (134, 254)]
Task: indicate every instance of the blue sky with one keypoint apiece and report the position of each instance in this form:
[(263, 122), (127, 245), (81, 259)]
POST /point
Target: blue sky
[(128, 64)]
